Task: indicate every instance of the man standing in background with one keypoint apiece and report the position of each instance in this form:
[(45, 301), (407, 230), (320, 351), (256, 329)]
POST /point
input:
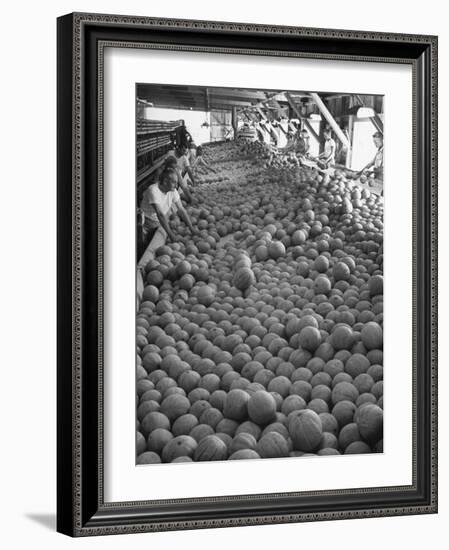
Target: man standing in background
[(377, 164), (327, 157)]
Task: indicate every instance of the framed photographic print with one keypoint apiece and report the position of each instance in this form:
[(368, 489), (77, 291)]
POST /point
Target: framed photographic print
[(246, 259)]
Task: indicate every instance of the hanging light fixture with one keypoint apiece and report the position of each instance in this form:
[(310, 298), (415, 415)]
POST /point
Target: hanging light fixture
[(315, 116)]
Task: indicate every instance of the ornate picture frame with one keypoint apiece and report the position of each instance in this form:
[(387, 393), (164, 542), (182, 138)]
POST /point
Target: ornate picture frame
[(82, 39)]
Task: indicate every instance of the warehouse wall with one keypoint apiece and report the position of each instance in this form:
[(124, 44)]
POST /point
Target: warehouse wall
[(28, 220), (193, 121)]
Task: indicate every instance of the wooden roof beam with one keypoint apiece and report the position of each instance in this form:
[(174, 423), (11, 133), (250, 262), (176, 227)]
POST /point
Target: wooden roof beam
[(330, 119), (311, 129), (307, 124), (376, 120), (223, 92), (293, 105)]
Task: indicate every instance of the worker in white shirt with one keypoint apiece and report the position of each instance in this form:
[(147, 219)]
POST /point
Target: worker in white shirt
[(157, 204), (182, 186), (184, 164), (191, 153), (327, 157), (200, 162), (376, 166)]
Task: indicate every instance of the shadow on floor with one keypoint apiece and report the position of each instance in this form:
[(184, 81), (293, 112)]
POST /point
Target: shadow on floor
[(47, 520)]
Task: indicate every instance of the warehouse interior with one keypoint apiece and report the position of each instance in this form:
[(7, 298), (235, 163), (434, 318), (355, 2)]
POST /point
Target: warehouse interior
[(214, 115), (259, 326), (224, 110)]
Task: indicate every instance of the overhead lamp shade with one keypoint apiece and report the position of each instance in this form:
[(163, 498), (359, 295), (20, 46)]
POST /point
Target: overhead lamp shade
[(365, 112)]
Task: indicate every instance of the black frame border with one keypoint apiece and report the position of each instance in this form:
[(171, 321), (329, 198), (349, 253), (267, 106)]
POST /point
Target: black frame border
[(82, 38)]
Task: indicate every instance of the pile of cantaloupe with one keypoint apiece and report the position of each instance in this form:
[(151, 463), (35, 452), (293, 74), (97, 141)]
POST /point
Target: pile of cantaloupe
[(262, 337)]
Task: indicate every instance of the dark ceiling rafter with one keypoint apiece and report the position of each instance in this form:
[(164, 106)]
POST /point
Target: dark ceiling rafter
[(201, 98)]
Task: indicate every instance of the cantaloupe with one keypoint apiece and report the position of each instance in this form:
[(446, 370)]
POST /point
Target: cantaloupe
[(293, 403), (209, 448), (348, 434), (321, 392), (226, 438), (141, 444), (329, 423), (206, 295), (249, 427), (341, 271), (321, 379), (184, 424), (210, 382), (189, 380), (186, 282), (376, 285), (302, 373), (151, 361), (261, 253), (236, 405), (328, 441), (280, 385), (200, 431), (157, 440), (343, 412), (243, 278), (227, 426), (154, 420), (276, 249), (251, 369), (372, 335), (357, 447), (264, 377), (272, 445), (344, 391), (262, 408), (318, 405), (217, 399), (356, 364), (199, 405), (328, 451), (342, 337), (301, 388), (321, 264), (242, 441), (305, 429), (363, 382), (309, 338), (183, 445), (369, 420), (211, 416), (148, 457), (144, 385), (244, 454), (322, 285)]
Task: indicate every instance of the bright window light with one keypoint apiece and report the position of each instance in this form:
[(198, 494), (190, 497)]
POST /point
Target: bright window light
[(365, 112)]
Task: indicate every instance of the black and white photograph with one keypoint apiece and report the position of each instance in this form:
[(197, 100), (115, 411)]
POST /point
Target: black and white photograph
[(259, 256)]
